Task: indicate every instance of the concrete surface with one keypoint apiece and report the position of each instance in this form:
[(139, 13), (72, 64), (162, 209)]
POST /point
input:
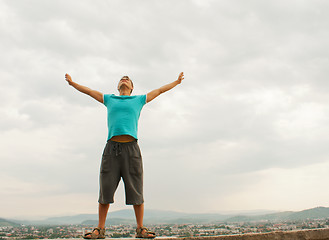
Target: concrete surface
[(314, 234)]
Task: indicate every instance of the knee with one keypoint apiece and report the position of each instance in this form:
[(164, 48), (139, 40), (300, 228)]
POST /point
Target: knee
[(104, 205)]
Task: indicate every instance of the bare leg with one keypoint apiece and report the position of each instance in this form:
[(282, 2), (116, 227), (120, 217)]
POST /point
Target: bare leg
[(139, 213), (102, 213)]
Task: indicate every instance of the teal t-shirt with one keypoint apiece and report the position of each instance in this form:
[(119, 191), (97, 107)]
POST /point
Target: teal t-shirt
[(123, 113)]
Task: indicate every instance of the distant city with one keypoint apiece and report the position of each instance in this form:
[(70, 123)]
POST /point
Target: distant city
[(188, 226), (163, 230)]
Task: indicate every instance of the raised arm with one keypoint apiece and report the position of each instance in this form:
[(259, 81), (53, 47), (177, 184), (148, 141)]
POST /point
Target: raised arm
[(153, 94), (92, 93)]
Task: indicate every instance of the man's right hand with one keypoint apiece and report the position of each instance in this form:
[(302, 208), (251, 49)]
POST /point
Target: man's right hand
[(68, 79)]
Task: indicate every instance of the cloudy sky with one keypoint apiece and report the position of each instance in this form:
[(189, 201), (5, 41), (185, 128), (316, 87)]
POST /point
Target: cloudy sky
[(246, 130)]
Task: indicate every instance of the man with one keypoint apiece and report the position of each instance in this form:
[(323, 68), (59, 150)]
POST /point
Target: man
[(121, 156)]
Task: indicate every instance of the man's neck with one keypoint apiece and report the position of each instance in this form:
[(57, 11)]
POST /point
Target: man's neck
[(125, 91)]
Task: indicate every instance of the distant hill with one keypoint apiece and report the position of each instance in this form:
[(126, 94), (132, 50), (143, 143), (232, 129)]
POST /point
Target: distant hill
[(127, 216), (313, 213), (76, 219), (112, 221), (6, 223), (268, 217)]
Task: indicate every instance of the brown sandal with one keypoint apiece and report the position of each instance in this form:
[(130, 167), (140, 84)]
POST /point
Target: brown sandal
[(145, 234), (93, 235)]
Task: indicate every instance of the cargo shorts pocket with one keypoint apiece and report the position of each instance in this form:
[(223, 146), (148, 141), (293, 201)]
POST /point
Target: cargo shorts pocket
[(135, 165), (105, 165), (106, 159), (135, 160)]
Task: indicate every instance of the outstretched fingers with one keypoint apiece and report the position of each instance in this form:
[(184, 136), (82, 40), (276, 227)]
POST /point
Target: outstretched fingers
[(181, 77), (68, 78)]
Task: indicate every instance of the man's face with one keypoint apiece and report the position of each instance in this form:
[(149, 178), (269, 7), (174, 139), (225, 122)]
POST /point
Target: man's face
[(125, 81)]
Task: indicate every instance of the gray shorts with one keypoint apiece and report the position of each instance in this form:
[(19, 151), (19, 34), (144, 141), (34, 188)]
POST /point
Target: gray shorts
[(121, 160)]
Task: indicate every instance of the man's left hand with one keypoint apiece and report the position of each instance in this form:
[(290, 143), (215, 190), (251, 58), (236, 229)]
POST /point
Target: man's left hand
[(180, 77)]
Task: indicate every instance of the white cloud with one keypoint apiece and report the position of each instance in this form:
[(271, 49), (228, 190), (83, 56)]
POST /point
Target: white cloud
[(253, 104), (298, 188)]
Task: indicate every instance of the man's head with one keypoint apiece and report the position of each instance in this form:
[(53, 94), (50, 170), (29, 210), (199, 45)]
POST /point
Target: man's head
[(126, 83)]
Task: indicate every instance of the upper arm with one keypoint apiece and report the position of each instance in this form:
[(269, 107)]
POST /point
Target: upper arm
[(97, 95), (153, 94)]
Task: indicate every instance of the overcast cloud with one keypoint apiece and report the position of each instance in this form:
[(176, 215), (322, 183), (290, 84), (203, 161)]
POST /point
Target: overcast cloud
[(247, 129)]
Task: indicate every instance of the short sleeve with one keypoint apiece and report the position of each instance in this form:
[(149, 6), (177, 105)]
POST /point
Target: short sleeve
[(143, 99), (106, 98)]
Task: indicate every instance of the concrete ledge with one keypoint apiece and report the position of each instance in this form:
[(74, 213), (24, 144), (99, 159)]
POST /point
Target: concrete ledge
[(314, 234)]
